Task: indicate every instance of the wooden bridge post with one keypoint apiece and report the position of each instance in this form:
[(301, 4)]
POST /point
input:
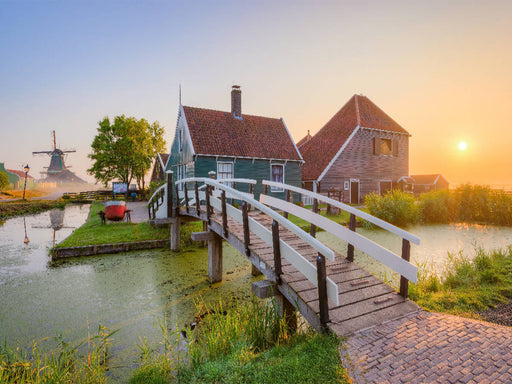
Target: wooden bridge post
[(208, 205), (322, 291), (277, 251), (177, 200), (287, 198), (198, 203), (175, 234), (312, 231), (186, 196), (286, 310), (224, 214), (247, 233), (215, 258), (352, 227), (170, 208), (406, 255)]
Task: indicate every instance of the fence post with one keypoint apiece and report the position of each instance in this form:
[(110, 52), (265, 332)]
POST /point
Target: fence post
[(177, 200), (170, 207), (186, 196), (352, 227), (322, 291), (277, 251), (247, 233), (224, 214), (406, 255), (287, 198), (312, 231), (198, 203), (208, 208)]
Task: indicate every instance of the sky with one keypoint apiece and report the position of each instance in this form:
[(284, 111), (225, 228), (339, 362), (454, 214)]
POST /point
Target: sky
[(441, 69)]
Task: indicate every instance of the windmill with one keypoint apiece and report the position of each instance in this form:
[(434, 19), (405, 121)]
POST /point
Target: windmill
[(57, 170)]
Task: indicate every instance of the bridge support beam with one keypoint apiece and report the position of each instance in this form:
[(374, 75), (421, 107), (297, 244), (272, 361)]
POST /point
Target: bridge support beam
[(265, 289), (215, 258), (175, 234)]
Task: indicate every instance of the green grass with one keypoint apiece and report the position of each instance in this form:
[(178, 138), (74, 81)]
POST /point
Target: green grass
[(64, 365), (28, 207), (93, 232), (243, 343), (467, 287)]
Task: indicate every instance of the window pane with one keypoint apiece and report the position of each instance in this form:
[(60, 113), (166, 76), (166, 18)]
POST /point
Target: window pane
[(277, 175), (385, 147)]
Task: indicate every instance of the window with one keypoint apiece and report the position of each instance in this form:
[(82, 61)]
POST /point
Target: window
[(277, 175), (225, 171), (386, 147), (180, 140)]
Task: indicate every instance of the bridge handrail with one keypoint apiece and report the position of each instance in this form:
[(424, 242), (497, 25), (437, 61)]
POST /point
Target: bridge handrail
[(357, 212), (233, 180), (325, 251), (157, 191)]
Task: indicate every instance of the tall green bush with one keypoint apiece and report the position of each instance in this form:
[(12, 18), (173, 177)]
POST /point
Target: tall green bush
[(438, 207), (395, 207)]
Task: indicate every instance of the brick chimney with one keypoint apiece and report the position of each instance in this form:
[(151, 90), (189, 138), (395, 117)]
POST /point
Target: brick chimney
[(236, 102)]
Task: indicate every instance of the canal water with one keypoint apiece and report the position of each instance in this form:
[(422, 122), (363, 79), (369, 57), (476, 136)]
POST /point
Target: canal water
[(436, 243), (126, 291), (130, 291)]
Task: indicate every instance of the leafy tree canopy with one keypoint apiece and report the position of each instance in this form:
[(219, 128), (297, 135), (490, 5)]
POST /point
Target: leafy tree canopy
[(125, 149), (4, 180)]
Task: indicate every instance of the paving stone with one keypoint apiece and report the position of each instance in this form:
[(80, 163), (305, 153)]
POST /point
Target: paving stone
[(425, 347)]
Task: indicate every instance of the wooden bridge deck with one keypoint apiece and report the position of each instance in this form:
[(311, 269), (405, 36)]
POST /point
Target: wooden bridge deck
[(364, 299)]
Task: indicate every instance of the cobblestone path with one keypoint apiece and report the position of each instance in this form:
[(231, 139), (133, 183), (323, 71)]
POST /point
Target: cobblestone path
[(425, 347)]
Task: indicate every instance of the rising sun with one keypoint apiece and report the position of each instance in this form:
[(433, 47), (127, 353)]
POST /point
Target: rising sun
[(463, 145)]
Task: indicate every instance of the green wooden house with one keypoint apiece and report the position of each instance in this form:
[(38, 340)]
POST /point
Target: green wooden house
[(234, 145)]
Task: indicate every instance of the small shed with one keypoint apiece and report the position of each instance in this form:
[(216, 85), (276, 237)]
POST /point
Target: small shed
[(423, 183)]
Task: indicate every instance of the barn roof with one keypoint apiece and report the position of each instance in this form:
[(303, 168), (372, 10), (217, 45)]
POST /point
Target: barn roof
[(219, 133), (360, 112), (427, 179)]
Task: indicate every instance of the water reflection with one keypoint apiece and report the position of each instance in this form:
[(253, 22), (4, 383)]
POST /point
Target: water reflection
[(56, 222)]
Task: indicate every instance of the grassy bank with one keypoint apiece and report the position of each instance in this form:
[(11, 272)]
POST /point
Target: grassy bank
[(236, 343), (93, 232), (243, 343), (65, 365), (28, 207), (467, 287)]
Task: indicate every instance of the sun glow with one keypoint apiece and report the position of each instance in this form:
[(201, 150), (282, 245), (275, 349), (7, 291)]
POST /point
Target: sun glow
[(463, 146)]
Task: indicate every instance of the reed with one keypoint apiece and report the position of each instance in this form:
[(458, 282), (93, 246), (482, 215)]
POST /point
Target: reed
[(467, 286), (64, 365)]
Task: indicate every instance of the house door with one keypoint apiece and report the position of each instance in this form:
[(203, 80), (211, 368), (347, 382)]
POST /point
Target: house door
[(354, 191)]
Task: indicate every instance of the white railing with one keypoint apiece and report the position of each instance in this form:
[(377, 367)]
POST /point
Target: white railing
[(293, 256), (395, 262)]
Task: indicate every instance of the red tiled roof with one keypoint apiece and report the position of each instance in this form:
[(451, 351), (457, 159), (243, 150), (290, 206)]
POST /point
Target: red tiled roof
[(21, 174), (325, 144), (219, 133), (304, 140)]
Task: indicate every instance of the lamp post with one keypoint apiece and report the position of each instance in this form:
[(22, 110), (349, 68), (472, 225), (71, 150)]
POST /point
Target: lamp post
[(26, 168)]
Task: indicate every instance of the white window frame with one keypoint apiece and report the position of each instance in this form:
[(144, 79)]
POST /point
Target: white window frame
[(273, 188), (219, 173), (385, 181)]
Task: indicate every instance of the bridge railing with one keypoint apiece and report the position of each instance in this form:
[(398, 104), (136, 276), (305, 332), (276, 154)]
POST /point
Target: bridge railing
[(315, 274), (401, 265)]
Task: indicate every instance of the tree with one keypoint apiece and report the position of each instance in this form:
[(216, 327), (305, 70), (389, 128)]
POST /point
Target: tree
[(4, 180), (125, 149)]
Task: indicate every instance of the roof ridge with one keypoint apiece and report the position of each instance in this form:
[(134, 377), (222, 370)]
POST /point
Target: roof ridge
[(358, 116), (228, 112)]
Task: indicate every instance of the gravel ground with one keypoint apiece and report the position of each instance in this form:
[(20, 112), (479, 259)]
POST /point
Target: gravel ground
[(500, 315)]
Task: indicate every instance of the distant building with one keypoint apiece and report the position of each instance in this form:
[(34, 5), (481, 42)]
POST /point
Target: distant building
[(158, 174), (234, 145), (17, 178), (360, 150), (423, 183)]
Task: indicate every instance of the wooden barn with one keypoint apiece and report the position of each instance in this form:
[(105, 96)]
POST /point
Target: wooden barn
[(423, 183), (360, 150), (234, 145)]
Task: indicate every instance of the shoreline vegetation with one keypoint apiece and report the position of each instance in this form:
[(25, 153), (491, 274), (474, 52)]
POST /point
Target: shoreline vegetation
[(20, 207), (468, 203)]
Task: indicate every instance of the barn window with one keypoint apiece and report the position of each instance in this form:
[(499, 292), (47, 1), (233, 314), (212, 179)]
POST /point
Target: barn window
[(386, 147), (225, 171), (277, 175)]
